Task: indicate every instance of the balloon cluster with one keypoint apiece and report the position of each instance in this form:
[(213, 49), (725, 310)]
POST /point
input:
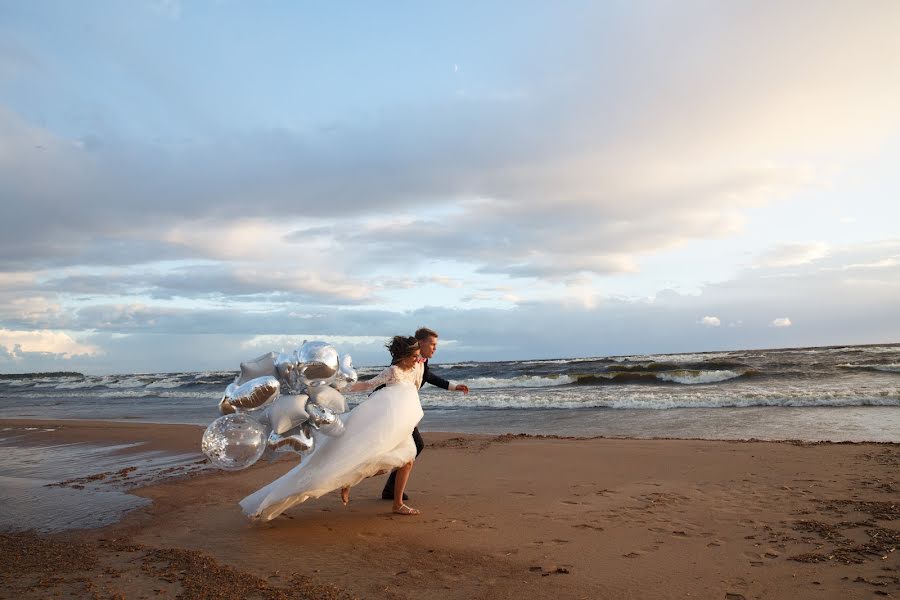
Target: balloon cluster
[(278, 403)]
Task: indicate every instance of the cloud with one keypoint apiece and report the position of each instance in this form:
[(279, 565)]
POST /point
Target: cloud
[(781, 322), (246, 218), (267, 343), (62, 344), (710, 321), (621, 168), (789, 255)]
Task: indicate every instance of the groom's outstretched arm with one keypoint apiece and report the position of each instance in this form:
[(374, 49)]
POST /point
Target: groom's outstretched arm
[(440, 382)]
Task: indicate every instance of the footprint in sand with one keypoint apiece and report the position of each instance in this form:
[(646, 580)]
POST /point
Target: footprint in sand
[(754, 558), (588, 526)]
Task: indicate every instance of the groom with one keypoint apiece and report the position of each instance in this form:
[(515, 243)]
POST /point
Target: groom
[(428, 339)]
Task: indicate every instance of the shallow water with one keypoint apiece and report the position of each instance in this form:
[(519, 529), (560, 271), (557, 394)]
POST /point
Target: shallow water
[(48, 486)]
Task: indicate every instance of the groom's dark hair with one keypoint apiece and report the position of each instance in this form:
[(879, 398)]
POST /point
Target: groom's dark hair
[(423, 333)]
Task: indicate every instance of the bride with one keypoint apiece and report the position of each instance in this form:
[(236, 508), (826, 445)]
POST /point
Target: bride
[(377, 438)]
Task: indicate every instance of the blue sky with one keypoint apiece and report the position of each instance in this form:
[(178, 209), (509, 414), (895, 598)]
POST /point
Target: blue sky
[(185, 185)]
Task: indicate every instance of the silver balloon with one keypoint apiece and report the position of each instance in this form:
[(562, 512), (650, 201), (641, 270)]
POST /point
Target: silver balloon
[(334, 429), (263, 416), (225, 406), (346, 366), (256, 393), (258, 367), (287, 412), (319, 415), (324, 420), (318, 362), (300, 442), (328, 397), (234, 442), (288, 367), (346, 375)]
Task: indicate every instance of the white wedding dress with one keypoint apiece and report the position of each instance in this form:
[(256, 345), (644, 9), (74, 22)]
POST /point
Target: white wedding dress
[(377, 437)]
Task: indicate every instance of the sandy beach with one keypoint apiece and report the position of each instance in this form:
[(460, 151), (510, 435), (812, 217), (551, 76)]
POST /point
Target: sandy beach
[(504, 517)]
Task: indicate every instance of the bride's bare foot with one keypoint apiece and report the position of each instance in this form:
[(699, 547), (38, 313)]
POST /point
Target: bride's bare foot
[(345, 495)]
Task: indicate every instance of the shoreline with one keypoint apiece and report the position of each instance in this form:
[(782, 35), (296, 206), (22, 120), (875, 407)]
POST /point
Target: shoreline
[(129, 427), (503, 516)]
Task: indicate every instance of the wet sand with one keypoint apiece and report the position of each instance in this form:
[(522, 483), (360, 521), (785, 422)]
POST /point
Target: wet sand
[(504, 517)]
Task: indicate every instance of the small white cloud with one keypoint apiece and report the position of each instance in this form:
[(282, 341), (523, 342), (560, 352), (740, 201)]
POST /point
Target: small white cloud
[(269, 343), (781, 322), (710, 321), (45, 341), (789, 255), (444, 281)]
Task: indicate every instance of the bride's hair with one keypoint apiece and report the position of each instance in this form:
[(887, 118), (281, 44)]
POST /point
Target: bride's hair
[(401, 347)]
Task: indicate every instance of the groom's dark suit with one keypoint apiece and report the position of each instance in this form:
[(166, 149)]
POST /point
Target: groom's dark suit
[(427, 377)]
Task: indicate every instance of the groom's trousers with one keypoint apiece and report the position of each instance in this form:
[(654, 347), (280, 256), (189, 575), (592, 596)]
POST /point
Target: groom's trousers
[(388, 492)]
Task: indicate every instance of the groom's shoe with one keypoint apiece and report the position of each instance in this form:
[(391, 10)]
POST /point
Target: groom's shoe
[(390, 496)]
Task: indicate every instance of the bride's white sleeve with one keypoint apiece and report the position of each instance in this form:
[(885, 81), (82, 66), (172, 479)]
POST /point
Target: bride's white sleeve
[(389, 375)]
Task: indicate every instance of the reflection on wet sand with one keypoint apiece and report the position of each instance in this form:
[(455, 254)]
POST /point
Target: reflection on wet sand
[(48, 484)]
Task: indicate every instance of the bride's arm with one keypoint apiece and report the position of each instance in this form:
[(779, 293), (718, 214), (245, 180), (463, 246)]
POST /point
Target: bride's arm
[(385, 377)]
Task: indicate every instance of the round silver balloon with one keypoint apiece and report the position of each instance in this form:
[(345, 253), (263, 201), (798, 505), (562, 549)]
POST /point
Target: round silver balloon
[(328, 397), (300, 442), (318, 362), (234, 442), (256, 393), (288, 412), (319, 415), (346, 364), (258, 367), (225, 406)]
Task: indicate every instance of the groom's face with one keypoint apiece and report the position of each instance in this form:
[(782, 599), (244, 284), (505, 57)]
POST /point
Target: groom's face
[(428, 346)]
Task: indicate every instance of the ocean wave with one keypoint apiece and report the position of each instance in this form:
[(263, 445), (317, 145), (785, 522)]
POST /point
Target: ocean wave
[(694, 377), (523, 381), (167, 383), (125, 394), (688, 357), (663, 401), (677, 376), (885, 368)]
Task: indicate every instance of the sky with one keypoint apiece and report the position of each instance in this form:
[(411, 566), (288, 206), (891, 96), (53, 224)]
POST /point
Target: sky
[(185, 185)]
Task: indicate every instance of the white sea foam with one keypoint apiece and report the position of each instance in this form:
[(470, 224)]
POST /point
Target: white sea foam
[(639, 397), (674, 358), (695, 377), (77, 385), (127, 383), (165, 383), (522, 381)]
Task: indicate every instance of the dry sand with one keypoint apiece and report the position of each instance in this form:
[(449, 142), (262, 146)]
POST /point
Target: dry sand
[(504, 517)]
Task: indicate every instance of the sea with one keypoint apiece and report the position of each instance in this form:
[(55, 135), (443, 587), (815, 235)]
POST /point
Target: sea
[(838, 394)]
